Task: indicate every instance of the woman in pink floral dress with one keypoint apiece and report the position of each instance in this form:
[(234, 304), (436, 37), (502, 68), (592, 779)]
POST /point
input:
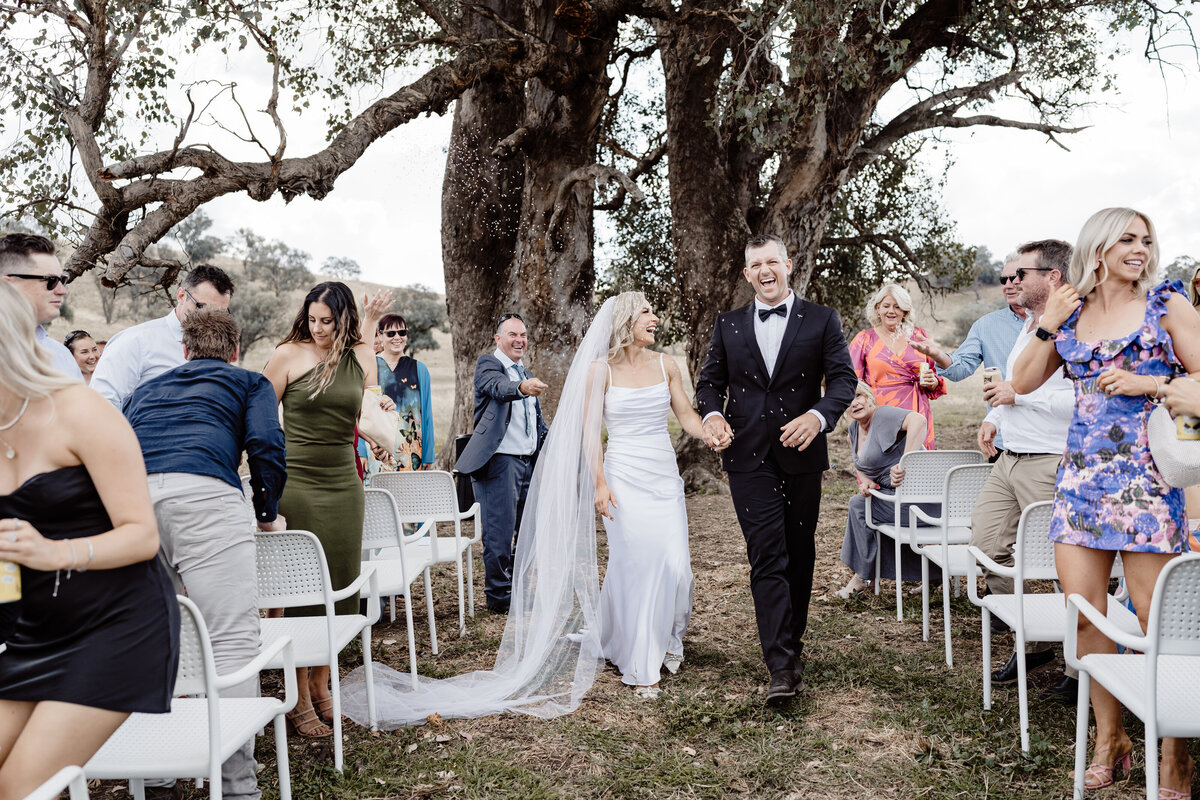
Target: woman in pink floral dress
[(1119, 338)]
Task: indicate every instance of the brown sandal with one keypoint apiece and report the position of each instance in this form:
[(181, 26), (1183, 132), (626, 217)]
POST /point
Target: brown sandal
[(307, 724), (324, 709)]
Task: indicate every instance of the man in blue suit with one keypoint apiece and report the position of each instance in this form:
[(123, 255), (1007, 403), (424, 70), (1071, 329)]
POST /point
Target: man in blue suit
[(509, 431)]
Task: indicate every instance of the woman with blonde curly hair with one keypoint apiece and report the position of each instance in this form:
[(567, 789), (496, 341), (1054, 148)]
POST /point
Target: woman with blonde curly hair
[(884, 360), (319, 372), (1119, 337), (646, 599)]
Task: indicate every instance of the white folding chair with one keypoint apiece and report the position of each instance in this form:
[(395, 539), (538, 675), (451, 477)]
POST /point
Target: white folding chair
[(430, 495), (292, 572), (409, 556), (66, 779), (1158, 683), (945, 542), (1033, 617), (924, 477), (202, 729)]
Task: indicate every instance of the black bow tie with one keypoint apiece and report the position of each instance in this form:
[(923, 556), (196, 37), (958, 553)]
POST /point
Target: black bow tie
[(780, 309)]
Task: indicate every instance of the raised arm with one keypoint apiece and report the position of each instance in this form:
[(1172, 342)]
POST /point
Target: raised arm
[(1040, 358)]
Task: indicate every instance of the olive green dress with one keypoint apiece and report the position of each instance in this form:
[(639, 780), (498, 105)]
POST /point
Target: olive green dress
[(323, 493)]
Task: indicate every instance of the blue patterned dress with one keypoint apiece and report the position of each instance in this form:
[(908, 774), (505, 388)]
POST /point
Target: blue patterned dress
[(1109, 495)]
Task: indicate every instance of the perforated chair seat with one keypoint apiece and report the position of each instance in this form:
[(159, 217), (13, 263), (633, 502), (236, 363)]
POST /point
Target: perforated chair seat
[(1046, 615), (1124, 676), (961, 561), (176, 744), (311, 641)]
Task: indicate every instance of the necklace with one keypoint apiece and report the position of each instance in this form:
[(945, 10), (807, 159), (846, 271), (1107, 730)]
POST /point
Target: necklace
[(9, 452)]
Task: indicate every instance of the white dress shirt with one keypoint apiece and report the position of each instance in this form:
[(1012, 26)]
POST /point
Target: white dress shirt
[(137, 354), (64, 361), (518, 440), (1036, 422)]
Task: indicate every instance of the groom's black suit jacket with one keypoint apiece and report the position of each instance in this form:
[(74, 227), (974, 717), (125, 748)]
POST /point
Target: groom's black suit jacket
[(734, 382)]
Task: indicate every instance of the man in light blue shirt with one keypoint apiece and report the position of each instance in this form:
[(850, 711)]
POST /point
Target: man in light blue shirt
[(499, 458), (989, 341), (28, 262), (145, 351)]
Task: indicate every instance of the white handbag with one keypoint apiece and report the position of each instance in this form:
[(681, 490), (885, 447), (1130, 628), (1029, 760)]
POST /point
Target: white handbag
[(1177, 459), (380, 426)]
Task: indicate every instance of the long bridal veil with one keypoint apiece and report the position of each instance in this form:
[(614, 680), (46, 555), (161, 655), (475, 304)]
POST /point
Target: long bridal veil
[(550, 652)]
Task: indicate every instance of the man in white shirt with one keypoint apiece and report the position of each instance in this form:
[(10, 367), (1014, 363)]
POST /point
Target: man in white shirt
[(1034, 427), (509, 431), (28, 262), (145, 351)]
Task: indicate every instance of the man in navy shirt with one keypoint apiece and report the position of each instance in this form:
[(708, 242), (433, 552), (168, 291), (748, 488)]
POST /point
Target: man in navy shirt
[(193, 423)]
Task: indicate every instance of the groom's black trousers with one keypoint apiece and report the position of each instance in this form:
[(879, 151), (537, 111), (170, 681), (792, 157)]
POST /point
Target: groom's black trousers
[(778, 514)]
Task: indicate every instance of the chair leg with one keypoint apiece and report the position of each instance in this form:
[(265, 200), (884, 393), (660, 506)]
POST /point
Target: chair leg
[(393, 613), (369, 677), (470, 581), (987, 660), (429, 608), (899, 587), (946, 579), (1022, 694), (462, 611), (1152, 777), (137, 788), (281, 759), (412, 641), (1081, 731), (335, 688), (878, 565), (924, 599)]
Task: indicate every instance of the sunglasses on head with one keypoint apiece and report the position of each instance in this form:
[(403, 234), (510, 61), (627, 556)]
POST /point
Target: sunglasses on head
[(52, 281), (1023, 271), (390, 334), (74, 335)]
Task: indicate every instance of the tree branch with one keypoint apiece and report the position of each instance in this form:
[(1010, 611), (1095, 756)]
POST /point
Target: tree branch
[(644, 165), (597, 176)]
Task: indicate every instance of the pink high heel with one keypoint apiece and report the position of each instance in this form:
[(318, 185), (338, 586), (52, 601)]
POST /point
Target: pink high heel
[(1104, 773), (1175, 794)]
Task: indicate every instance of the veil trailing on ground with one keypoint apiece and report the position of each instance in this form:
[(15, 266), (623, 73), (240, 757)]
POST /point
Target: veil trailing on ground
[(550, 652)]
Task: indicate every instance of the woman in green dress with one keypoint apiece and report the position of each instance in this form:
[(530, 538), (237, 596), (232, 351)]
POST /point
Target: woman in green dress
[(319, 372)]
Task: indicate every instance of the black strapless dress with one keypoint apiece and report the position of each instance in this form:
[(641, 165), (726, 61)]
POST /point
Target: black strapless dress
[(110, 639)]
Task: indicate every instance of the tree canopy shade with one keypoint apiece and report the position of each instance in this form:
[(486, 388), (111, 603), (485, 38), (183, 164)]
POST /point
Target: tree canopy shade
[(798, 117)]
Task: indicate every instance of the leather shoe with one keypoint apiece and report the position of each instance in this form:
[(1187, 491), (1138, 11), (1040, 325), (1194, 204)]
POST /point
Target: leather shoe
[(999, 626), (498, 609), (1065, 691), (782, 687), (1033, 662)]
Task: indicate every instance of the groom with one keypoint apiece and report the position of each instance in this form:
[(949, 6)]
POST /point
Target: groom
[(760, 396)]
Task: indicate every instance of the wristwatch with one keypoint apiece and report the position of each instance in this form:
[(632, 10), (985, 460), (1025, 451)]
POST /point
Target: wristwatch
[(1043, 334)]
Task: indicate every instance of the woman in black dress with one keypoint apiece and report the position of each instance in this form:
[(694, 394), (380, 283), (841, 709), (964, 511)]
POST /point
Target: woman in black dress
[(97, 634)]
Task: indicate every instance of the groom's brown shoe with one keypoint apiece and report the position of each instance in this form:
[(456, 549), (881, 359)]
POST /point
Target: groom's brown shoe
[(783, 686)]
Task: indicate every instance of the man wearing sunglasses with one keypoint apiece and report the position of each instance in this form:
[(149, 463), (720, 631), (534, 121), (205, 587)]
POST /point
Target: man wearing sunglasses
[(28, 263), (137, 354)]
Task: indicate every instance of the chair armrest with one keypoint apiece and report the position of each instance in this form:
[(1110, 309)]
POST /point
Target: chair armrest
[(473, 511), (889, 498), (915, 511), (259, 663), (356, 585), (990, 565), (1076, 604)]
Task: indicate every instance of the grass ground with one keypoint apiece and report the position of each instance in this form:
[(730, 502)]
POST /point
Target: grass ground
[(882, 716)]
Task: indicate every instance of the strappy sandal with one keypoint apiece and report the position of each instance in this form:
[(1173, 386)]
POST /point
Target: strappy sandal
[(324, 709), (1104, 774), (307, 724), (1175, 794)]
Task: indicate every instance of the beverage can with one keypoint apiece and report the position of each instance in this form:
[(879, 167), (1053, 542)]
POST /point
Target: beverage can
[(1187, 427), (924, 369), (10, 582), (991, 375)]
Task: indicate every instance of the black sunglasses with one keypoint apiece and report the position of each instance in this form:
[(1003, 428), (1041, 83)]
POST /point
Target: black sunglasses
[(390, 334), (1023, 271), (1006, 279), (52, 281)]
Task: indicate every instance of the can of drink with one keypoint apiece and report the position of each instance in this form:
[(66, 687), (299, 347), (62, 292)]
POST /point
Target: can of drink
[(924, 370), (10, 582), (991, 375), (1187, 427)]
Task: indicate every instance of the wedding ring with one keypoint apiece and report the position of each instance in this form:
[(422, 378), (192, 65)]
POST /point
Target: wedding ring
[(12, 537)]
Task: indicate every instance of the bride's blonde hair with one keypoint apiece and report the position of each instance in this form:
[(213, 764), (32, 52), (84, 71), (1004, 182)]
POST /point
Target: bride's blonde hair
[(627, 307), (26, 369)]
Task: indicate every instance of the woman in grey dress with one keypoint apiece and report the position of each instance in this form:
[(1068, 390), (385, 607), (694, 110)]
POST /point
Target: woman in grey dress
[(879, 435)]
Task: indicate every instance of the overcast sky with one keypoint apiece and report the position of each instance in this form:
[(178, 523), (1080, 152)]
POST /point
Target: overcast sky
[(1005, 186)]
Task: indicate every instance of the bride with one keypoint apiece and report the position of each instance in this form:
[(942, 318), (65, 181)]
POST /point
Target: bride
[(556, 635), (646, 600)]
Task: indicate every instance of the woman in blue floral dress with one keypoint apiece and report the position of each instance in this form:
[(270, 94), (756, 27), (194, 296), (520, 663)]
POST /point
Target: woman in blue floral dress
[(1119, 337)]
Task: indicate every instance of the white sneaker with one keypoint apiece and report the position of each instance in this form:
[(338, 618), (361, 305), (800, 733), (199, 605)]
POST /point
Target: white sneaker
[(855, 586), (672, 662), (648, 692)]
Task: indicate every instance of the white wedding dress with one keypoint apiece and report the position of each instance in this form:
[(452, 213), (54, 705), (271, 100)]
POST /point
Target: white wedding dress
[(646, 599)]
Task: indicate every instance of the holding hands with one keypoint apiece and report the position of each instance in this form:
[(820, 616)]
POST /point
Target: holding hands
[(717, 433)]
